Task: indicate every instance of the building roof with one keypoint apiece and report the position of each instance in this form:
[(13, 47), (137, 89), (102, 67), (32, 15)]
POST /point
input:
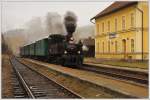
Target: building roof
[(115, 7)]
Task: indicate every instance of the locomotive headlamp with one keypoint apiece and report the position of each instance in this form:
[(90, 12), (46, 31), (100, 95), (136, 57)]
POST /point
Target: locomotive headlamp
[(79, 52), (65, 52)]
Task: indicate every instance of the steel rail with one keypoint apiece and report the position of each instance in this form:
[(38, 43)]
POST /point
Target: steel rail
[(23, 82), (116, 72), (89, 82), (79, 96)]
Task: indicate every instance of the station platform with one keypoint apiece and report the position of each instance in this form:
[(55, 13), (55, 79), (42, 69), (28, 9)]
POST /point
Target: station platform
[(118, 64), (100, 80), (118, 67)]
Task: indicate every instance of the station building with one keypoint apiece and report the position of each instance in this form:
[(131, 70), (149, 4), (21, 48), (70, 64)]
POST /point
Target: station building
[(122, 31)]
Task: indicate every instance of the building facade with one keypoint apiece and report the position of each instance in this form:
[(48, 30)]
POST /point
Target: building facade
[(122, 31)]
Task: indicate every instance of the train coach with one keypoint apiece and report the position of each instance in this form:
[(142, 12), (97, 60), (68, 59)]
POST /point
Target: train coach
[(54, 49)]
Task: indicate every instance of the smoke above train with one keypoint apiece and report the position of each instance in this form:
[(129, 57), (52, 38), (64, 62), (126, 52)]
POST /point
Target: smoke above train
[(70, 21), (54, 23), (41, 27)]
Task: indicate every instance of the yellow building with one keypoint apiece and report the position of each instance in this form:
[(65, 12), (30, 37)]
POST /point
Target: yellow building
[(122, 31)]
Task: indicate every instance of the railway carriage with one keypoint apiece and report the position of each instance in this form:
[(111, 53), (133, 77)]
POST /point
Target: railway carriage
[(55, 49), (32, 50), (41, 49), (25, 51)]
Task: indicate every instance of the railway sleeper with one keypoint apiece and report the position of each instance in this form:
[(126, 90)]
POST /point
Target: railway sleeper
[(20, 96)]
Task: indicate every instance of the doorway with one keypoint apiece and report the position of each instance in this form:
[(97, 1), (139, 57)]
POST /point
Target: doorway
[(124, 48)]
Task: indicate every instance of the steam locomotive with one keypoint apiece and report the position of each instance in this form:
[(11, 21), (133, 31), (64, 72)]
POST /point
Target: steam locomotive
[(64, 52), (60, 49)]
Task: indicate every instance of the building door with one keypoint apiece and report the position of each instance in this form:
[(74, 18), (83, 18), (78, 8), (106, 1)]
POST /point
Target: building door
[(124, 48)]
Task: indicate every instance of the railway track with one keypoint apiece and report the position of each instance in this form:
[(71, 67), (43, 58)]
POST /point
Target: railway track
[(108, 86), (139, 78), (30, 84), (18, 89)]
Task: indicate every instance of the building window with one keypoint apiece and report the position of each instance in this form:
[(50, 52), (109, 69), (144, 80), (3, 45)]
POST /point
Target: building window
[(116, 46), (103, 47), (103, 27), (132, 20), (108, 46), (124, 46), (123, 22), (97, 47), (97, 29), (108, 26), (115, 24), (132, 45)]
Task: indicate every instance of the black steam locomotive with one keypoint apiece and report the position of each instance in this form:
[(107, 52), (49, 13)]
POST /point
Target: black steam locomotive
[(57, 48), (64, 52)]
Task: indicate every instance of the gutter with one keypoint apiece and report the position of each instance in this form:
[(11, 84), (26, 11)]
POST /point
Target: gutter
[(142, 30)]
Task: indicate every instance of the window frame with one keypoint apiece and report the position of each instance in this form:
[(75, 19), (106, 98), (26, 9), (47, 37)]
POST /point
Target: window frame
[(103, 26), (108, 46), (116, 24), (132, 45), (108, 27), (116, 46), (123, 22), (103, 46), (132, 18)]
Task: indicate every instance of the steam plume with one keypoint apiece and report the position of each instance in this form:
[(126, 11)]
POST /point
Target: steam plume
[(34, 29), (54, 23), (70, 21)]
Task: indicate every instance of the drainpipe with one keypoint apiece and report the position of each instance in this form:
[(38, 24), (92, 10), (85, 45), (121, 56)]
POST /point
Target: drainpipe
[(141, 30)]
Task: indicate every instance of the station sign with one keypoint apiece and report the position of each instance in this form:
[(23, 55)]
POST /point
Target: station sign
[(112, 35)]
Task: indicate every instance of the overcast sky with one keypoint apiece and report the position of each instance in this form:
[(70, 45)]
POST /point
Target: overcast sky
[(16, 14)]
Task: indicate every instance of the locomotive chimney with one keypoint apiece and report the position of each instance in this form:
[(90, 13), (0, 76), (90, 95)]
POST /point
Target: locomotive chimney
[(70, 21)]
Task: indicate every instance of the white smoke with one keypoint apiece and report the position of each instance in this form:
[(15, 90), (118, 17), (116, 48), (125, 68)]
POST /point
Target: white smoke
[(54, 24), (34, 29)]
